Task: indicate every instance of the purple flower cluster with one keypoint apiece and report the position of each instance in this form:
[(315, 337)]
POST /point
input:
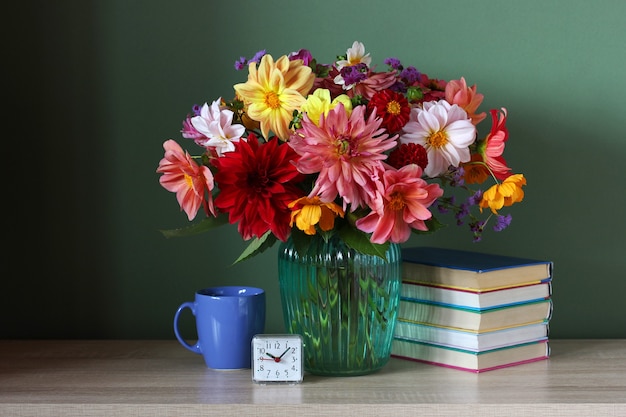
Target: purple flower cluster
[(502, 223), (354, 73), (410, 74), (243, 62), (463, 210), (394, 63)]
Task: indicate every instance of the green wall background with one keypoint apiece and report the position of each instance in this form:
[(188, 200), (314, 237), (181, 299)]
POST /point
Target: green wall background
[(95, 87)]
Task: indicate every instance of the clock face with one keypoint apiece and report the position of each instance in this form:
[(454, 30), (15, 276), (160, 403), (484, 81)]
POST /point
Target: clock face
[(277, 358)]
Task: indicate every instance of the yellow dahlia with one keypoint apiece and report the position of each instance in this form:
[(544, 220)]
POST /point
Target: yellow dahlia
[(273, 91)]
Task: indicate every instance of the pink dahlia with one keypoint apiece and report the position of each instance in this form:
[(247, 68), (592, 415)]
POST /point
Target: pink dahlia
[(373, 83), (457, 92), (402, 205), (346, 151)]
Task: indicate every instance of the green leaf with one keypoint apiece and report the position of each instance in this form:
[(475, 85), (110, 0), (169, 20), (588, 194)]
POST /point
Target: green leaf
[(301, 241), (258, 245), (205, 225), (360, 241), (433, 225)]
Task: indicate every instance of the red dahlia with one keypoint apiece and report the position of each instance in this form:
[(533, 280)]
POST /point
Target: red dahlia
[(257, 182), (408, 153), (392, 107)]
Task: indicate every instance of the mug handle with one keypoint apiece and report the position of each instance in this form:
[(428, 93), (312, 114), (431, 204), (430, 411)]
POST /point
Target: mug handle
[(194, 348)]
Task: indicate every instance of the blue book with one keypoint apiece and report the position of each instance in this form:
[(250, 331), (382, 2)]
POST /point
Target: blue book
[(471, 271)]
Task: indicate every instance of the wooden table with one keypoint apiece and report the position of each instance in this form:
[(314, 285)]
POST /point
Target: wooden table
[(161, 378)]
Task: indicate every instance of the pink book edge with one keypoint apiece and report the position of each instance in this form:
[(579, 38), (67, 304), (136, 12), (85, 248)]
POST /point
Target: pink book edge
[(475, 371)]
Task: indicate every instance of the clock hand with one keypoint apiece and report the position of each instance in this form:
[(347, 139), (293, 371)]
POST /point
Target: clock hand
[(277, 358), (283, 354)]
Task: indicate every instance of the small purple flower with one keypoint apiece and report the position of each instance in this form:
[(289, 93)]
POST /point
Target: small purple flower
[(502, 222), (354, 74), (257, 57), (240, 63), (196, 108), (393, 63), (303, 54), (411, 74), (477, 228), (462, 213), (457, 177), (399, 87), (474, 200)]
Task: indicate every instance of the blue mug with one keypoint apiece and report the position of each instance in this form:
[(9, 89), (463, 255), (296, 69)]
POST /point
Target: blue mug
[(226, 320)]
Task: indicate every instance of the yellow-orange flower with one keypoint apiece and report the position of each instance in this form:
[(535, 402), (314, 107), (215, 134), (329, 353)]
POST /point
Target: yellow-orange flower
[(504, 194), (476, 171), (273, 91), (312, 211)]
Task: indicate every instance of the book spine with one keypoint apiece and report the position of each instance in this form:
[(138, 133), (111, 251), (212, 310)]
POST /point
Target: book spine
[(396, 353), (475, 371), (471, 340), (469, 307)]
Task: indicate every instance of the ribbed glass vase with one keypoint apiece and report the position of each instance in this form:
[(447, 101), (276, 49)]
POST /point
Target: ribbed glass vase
[(342, 302)]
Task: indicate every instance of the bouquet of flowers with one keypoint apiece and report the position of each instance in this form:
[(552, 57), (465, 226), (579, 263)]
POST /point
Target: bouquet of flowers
[(305, 149)]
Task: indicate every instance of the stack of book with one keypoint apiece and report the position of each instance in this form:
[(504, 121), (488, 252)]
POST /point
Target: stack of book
[(472, 311)]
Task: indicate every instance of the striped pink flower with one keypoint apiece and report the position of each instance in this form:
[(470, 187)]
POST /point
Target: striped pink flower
[(346, 151)]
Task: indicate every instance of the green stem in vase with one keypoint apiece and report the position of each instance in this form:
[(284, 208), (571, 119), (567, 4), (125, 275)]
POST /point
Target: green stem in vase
[(343, 303)]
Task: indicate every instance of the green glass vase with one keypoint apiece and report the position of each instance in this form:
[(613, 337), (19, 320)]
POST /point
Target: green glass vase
[(342, 302)]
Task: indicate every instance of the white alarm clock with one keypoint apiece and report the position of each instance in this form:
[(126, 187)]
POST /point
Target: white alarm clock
[(277, 358)]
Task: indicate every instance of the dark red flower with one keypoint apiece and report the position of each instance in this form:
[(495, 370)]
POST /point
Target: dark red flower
[(392, 107), (408, 153), (257, 182)]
